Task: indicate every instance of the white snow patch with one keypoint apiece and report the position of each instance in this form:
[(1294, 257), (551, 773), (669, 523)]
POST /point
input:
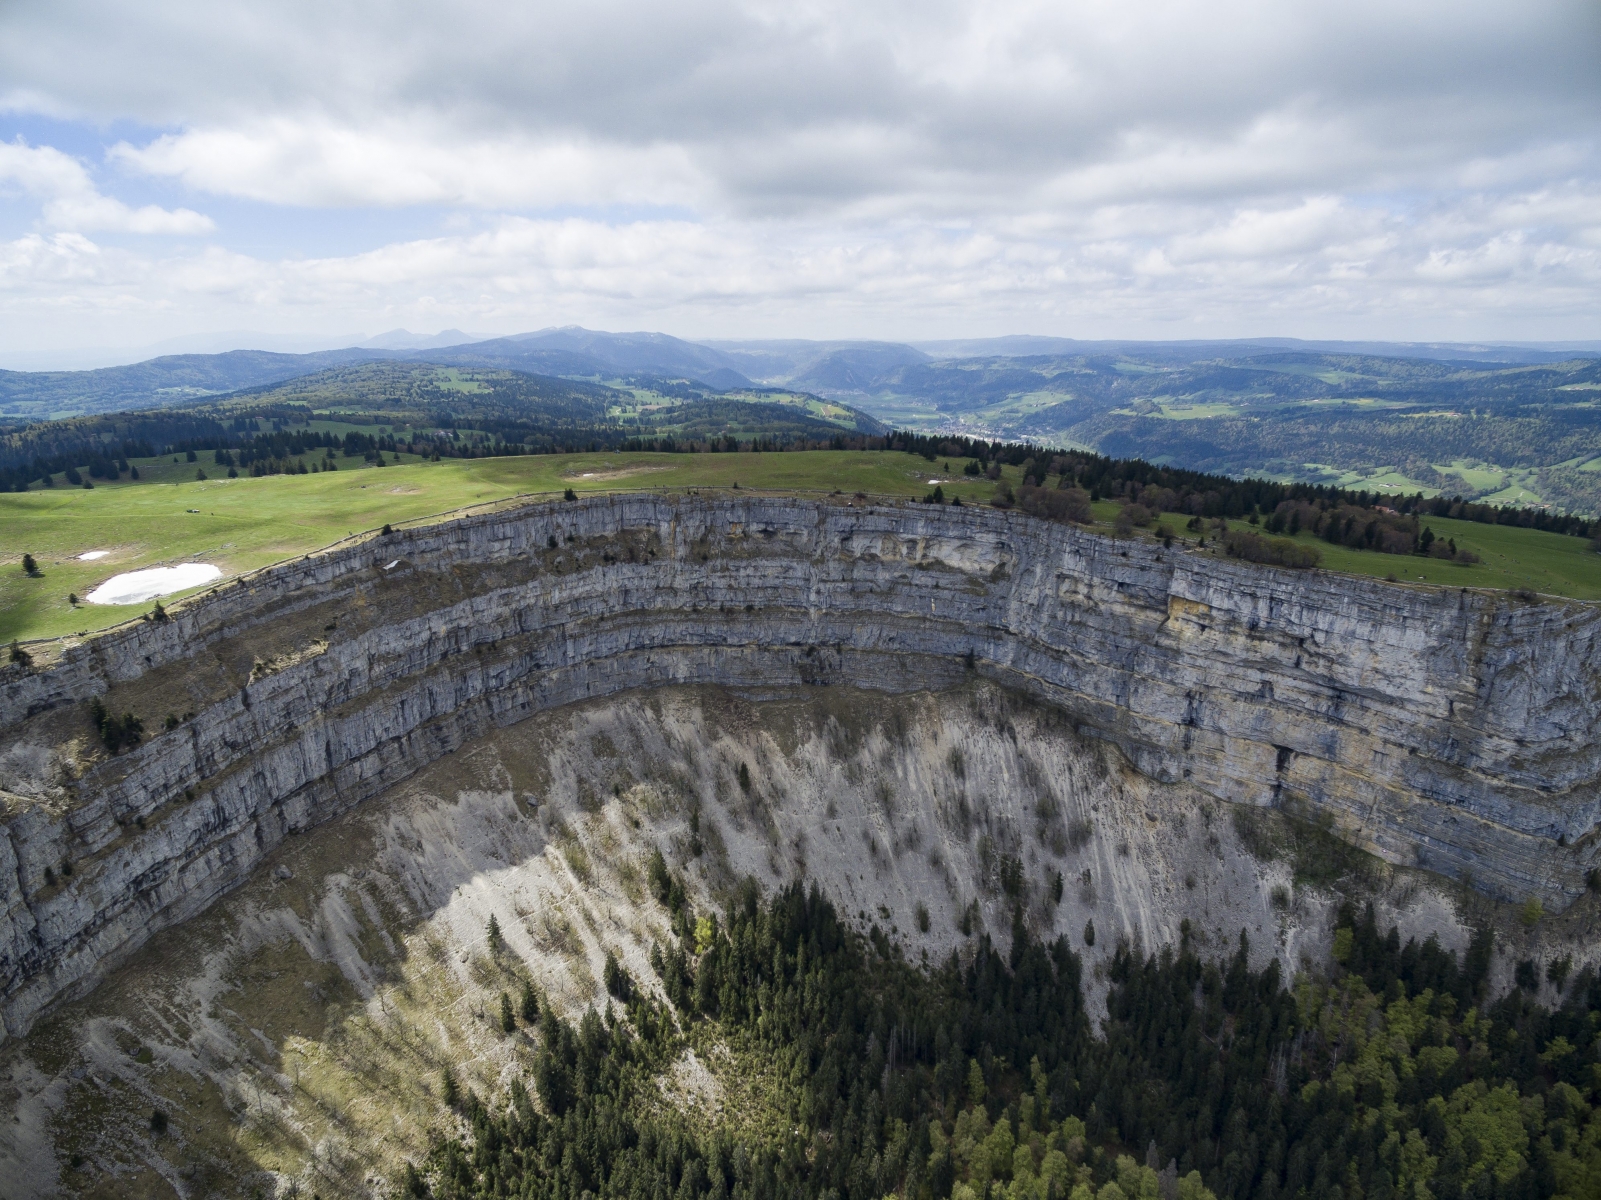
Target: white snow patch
[(135, 587), (91, 555)]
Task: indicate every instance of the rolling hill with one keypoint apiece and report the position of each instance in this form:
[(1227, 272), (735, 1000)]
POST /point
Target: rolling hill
[(1507, 424)]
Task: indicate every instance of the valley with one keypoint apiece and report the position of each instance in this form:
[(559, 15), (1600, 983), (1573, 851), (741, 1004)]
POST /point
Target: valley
[(267, 922), (828, 602), (1498, 424)]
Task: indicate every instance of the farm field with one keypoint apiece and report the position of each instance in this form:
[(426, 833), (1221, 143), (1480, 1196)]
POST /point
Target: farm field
[(239, 525)]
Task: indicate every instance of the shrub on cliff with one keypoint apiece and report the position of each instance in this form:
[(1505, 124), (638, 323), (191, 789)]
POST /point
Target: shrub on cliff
[(118, 733), (1055, 504), (1279, 552)]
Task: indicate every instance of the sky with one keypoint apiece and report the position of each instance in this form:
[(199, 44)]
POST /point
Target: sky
[(319, 172)]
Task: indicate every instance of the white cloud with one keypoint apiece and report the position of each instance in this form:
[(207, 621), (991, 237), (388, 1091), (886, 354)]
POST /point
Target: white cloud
[(314, 164), (1319, 266), (882, 167), (71, 200)]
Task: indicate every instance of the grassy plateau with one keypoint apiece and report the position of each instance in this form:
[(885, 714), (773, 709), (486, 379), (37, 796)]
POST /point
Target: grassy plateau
[(168, 516)]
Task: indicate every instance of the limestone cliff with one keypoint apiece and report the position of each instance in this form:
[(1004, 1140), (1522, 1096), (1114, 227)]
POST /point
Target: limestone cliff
[(1439, 728), (357, 953)]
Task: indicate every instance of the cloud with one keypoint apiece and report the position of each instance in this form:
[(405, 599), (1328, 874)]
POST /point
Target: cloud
[(1321, 266), (71, 200), (756, 106), (1396, 170), (315, 164)]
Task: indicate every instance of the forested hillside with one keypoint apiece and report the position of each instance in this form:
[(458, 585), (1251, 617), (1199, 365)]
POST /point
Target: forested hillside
[(1524, 433), (1524, 430), (984, 1079), (429, 410)]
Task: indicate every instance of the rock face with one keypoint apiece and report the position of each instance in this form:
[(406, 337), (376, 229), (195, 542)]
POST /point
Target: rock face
[(358, 951), (1436, 728)]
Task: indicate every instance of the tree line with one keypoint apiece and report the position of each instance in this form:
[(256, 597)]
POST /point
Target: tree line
[(1157, 487)]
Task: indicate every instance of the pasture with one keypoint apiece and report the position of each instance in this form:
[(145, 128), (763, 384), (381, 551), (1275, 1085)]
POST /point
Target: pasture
[(168, 516)]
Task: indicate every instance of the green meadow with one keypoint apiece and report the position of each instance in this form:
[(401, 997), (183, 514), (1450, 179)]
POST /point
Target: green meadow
[(1512, 559), (168, 516), (242, 524)]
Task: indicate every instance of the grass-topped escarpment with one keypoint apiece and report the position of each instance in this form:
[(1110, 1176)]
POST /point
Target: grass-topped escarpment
[(313, 495), (1430, 728), (593, 719)]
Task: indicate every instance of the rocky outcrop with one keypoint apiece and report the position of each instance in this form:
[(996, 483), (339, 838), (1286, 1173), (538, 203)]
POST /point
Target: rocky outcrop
[(1440, 728)]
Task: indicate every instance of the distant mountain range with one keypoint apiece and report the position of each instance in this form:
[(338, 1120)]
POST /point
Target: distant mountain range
[(861, 369), (1509, 422), (404, 339), (572, 350), (519, 411), (173, 379), (1509, 353)]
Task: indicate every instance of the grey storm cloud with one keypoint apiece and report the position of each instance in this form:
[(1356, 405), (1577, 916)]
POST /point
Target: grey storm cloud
[(1332, 161)]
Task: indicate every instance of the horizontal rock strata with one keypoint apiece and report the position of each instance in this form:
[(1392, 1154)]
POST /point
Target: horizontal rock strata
[(1439, 728)]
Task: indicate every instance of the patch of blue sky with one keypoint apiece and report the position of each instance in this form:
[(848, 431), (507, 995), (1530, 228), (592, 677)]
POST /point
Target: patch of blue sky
[(86, 140), (257, 228)]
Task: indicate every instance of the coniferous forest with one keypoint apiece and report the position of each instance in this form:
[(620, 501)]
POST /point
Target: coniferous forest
[(984, 1078)]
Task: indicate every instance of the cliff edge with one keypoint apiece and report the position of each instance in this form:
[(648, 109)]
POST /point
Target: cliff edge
[(1444, 729)]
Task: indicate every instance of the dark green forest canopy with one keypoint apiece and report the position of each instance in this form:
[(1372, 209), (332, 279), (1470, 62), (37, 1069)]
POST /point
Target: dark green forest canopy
[(983, 1079), (1166, 488)]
